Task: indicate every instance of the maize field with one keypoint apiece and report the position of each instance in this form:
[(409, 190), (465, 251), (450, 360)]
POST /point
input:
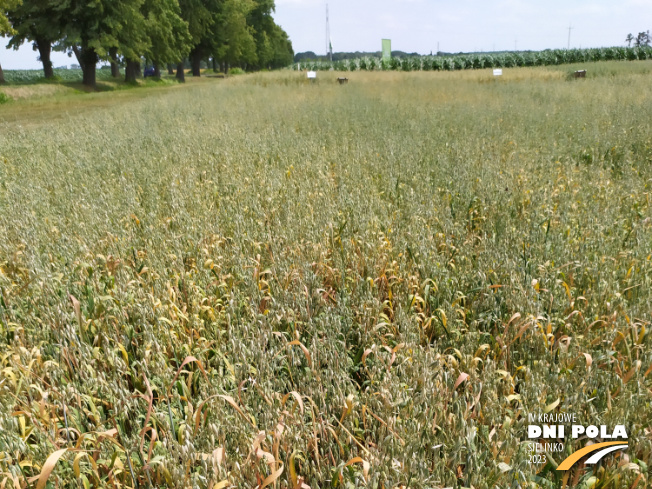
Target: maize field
[(482, 61), (63, 75)]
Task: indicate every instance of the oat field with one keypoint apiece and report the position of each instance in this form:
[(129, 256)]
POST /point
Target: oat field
[(263, 282)]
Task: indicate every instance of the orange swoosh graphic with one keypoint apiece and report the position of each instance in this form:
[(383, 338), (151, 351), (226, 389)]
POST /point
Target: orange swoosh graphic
[(574, 457)]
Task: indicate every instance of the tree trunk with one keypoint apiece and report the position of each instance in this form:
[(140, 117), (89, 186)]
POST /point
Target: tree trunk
[(115, 67), (77, 51), (87, 58), (2, 76), (44, 49), (214, 65), (89, 78), (170, 69), (195, 60), (181, 75), (157, 71), (131, 71)]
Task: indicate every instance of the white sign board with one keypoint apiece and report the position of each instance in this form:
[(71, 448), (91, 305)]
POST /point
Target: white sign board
[(498, 72), (312, 74)]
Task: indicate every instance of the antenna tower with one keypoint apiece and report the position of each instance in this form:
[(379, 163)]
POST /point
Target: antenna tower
[(329, 46)]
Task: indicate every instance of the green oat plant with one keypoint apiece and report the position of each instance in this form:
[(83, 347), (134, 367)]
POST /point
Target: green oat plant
[(262, 282)]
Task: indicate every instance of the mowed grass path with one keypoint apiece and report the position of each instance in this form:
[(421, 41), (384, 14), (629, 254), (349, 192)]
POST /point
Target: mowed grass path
[(364, 285)]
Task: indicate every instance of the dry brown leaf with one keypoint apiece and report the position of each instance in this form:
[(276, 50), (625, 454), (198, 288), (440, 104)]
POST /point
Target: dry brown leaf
[(78, 457), (551, 406), (366, 354), (647, 372), (628, 376), (365, 465), (232, 402), (48, 467), (636, 481), (296, 396), (303, 348), (269, 480), (218, 456), (269, 458), (77, 307), (198, 412), (150, 406), (463, 376), (256, 443), (515, 316), (188, 360)]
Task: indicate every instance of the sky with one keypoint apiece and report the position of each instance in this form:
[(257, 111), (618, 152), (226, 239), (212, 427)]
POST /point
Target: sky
[(423, 25)]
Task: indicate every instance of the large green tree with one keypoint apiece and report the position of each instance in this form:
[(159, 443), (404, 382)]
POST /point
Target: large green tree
[(235, 37), (91, 29), (260, 19), (6, 6), (282, 52), (201, 17), (237, 32), (168, 33), (39, 22), (272, 44), (629, 40), (643, 39)]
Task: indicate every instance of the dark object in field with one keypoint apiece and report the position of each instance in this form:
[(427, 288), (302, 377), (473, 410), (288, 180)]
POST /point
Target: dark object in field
[(580, 74), (341, 80), (149, 72)]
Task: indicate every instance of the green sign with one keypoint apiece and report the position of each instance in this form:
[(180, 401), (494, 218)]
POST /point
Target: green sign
[(387, 49)]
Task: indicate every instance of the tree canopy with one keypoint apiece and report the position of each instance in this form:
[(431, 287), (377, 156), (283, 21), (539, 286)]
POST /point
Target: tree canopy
[(235, 40), (5, 7), (5, 25), (230, 32), (643, 39)]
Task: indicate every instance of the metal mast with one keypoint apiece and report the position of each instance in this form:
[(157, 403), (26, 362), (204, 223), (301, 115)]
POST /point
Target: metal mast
[(329, 47)]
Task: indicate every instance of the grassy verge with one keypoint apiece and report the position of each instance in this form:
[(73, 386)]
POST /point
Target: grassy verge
[(35, 103)]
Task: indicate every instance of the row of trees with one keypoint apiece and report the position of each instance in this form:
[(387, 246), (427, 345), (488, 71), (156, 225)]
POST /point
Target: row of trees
[(163, 32), (643, 39)]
